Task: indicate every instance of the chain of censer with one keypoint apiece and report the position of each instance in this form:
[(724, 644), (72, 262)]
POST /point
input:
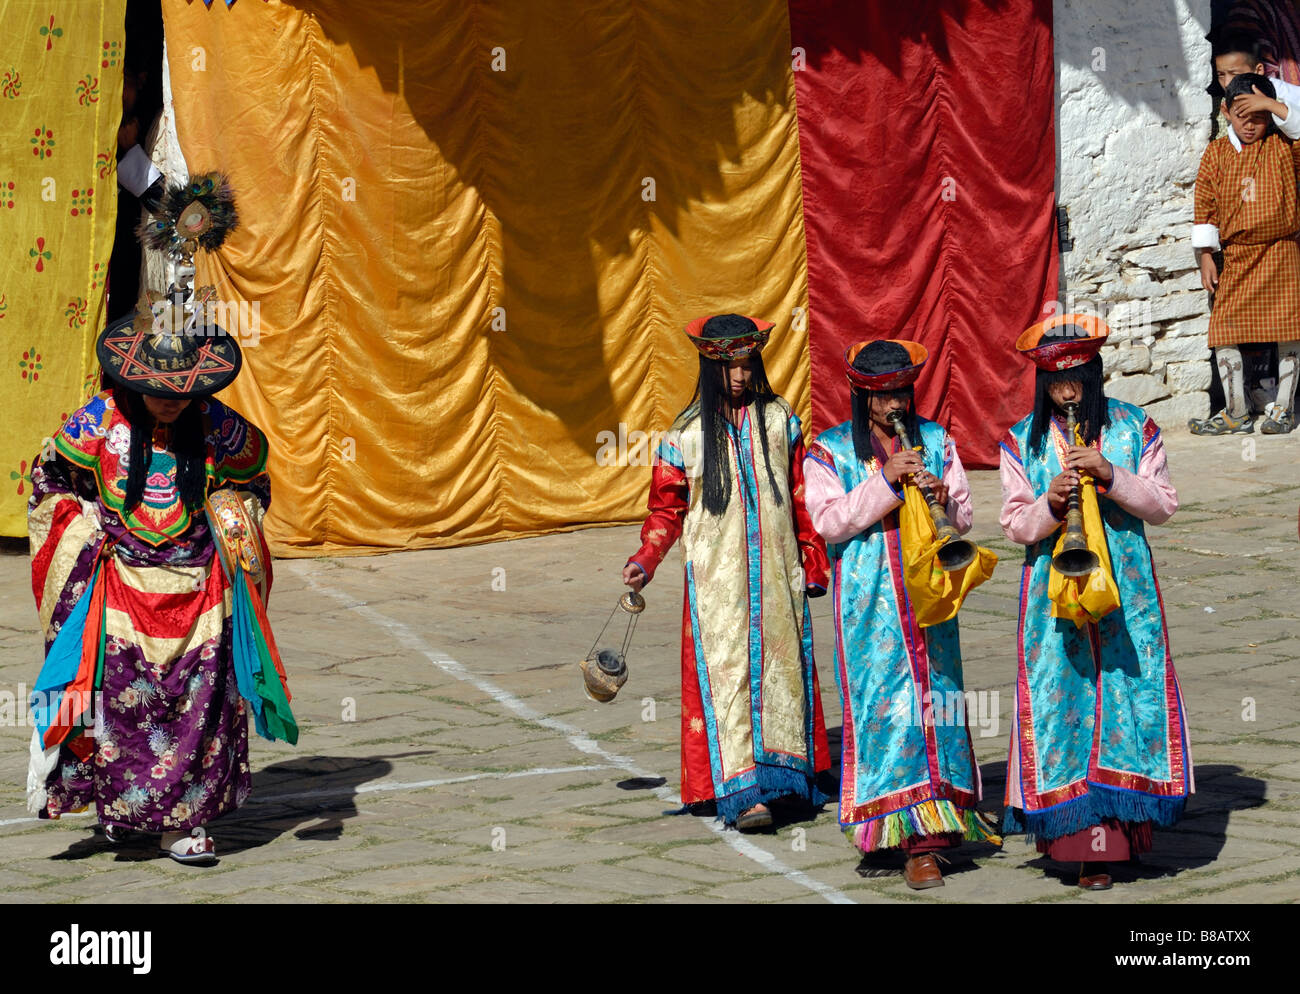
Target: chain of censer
[(627, 636)]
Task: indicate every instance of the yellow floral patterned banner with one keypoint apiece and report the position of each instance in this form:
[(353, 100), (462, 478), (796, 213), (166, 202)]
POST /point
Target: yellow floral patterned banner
[(60, 104)]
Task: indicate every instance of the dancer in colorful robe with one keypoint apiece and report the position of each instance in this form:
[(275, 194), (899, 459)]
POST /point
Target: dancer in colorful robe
[(150, 574), (1099, 750), (728, 479), (909, 780)]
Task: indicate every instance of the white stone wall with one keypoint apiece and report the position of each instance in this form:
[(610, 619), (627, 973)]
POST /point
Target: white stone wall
[(1132, 121)]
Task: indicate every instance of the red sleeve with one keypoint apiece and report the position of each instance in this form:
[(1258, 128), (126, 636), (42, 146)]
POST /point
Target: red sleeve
[(668, 503), (812, 547)]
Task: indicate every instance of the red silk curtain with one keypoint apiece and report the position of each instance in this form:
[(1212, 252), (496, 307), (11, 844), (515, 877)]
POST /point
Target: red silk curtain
[(927, 138)]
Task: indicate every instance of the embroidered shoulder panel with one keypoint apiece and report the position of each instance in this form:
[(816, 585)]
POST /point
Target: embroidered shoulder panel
[(1012, 446), (82, 435), (817, 451), (98, 438), (237, 448)]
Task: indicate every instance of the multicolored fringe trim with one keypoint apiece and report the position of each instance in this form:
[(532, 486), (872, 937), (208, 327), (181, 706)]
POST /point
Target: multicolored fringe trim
[(1094, 807), (773, 782), (927, 818)]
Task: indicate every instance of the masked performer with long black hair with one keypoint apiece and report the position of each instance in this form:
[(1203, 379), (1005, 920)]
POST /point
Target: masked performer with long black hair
[(909, 779), (728, 479), (151, 573), (1099, 750)]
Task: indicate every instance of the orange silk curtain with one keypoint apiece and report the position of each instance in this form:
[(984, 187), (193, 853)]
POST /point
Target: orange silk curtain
[(472, 234)]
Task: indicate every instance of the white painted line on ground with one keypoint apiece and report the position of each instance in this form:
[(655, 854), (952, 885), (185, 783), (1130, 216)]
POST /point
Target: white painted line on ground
[(382, 785), (48, 821), (576, 737), (368, 788)]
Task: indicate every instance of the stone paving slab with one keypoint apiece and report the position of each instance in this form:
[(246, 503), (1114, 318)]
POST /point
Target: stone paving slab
[(411, 672)]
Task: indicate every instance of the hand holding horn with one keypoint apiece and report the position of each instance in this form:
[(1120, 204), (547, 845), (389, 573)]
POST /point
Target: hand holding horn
[(1075, 558), (956, 553)]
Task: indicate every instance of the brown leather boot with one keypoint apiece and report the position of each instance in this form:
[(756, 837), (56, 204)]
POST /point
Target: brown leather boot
[(1093, 876), (922, 872)]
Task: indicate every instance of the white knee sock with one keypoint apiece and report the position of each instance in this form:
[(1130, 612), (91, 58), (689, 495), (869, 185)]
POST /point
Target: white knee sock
[(1288, 373), (1228, 359)]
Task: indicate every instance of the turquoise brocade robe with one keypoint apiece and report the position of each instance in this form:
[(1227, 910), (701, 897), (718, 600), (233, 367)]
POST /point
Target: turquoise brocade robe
[(1099, 728), (904, 741)]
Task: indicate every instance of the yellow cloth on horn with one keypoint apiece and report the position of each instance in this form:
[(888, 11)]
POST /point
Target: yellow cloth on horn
[(936, 595), (1084, 599)]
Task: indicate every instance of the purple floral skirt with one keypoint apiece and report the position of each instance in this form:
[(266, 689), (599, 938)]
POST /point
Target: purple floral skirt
[(171, 739)]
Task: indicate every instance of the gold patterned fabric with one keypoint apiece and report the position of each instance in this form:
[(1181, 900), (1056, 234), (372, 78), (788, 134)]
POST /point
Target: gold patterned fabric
[(60, 103), (474, 232), (750, 640), (59, 519)]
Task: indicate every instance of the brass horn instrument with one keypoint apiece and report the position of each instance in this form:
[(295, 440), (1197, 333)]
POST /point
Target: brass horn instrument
[(956, 553), (1075, 558)]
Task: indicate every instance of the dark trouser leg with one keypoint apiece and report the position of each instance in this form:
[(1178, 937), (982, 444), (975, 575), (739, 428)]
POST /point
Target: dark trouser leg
[(1112, 841), (919, 845)]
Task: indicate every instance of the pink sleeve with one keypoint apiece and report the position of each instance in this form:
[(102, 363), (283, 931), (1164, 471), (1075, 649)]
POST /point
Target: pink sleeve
[(1024, 520), (838, 516), (1148, 493), (960, 509)]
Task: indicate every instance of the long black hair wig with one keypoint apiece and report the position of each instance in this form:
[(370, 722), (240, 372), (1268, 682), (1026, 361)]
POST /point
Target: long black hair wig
[(1093, 415), (188, 446), (712, 399), (880, 357)]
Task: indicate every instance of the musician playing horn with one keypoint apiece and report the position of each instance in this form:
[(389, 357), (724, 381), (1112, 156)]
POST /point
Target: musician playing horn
[(1099, 750), (909, 781)]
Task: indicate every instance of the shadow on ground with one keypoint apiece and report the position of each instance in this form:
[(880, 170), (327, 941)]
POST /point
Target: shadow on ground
[(1197, 839), (311, 796)]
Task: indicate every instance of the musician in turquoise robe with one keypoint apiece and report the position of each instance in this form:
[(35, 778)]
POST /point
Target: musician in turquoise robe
[(909, 780), (1099, 750)]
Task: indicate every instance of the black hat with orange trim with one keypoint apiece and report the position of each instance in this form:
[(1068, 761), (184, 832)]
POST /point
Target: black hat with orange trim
[(1063, 341), (884, 364), (728, 337)]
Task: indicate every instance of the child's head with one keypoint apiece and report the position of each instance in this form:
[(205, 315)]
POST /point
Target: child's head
[(1082, 384), (1250, 127), (882, 357), (1236, 52)]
